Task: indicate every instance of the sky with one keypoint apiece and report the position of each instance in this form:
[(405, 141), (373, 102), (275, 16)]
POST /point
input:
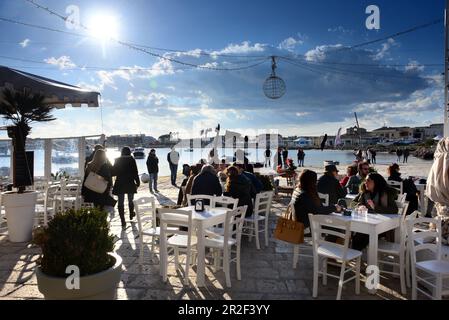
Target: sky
[(395, 82)]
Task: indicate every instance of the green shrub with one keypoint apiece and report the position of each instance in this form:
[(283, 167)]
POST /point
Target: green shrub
[(79, 238)]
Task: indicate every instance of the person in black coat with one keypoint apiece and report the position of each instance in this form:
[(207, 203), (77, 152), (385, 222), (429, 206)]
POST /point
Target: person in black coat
[(329, 184), (408, 187), (153, 169), (101, 166), (305, 199), (239, 187), (207, 183), (127, 182)]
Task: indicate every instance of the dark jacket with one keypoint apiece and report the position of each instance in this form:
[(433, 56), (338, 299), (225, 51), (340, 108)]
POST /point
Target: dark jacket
[(255, 182), (304, 205), (331, 186), (384, 203), (100, 199), (125, 169), (152, 164), (354, 183), (408, 187), (241, 189), (208, 184), (395, 176)]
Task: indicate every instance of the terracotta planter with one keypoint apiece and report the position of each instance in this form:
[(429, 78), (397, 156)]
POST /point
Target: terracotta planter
[(20, 213), (100, 286)]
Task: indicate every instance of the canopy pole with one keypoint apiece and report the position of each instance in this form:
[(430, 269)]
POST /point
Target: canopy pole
[(81, 155), (48, 145), (446, 70)]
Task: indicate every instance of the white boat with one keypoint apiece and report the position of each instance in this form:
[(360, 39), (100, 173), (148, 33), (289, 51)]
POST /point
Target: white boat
[(139, 153)]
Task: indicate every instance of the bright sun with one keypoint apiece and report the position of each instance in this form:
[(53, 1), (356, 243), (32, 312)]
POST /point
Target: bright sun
[(103, 27)]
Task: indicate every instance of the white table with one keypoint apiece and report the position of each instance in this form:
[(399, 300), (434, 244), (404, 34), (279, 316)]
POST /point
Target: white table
[(202, 220), (373, 225)]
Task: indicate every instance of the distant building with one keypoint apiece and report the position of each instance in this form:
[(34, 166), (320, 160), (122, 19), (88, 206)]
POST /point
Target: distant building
[(393, 133), (126, 140), (165, 139), (430, 132)]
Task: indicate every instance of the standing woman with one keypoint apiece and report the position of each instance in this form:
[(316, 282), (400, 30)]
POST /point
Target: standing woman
[(153, 169), (127, 182), (102, 167)]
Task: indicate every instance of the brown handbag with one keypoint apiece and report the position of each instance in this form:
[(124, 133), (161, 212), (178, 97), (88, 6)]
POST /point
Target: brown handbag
[(288, 229)]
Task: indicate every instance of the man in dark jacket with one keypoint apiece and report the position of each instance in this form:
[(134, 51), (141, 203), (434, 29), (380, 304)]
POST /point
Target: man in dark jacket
[(329, 184), (127, 182), (284, 157), (207, 183), (153, 169)]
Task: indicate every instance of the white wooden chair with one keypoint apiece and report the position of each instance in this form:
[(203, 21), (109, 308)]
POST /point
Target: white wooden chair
[(146, 223), (397, 185), (324, 199), (324, 250), (226, 202), (50, 203), (393, 254), (431, 273), (261, 214), (192, 198), (171, 222), (232, 238)]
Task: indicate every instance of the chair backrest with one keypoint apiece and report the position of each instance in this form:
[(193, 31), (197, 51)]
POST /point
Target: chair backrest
[(142, 206), (184, 196), (262, 204), (191, 198), (324, 199), (224, 202), (177, 221), (397, 185), (402, 198), (419, 240), (322, 225), (51, 193), (234, 224)]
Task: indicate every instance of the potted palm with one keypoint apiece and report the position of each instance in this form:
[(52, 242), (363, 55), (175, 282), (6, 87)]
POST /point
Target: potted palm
[(21, 109), (77, 259)]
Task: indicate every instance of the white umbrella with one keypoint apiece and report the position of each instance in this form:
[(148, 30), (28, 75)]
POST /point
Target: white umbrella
[(437, 188), (438, 138)]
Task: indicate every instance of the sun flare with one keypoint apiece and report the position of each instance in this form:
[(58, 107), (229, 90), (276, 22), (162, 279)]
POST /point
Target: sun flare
[(103, 26)]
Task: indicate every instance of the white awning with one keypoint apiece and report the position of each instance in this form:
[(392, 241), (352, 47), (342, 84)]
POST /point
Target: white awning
[(57, 94)]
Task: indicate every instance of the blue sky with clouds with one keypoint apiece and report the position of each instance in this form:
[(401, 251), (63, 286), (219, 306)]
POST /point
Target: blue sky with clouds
[(395, 82)]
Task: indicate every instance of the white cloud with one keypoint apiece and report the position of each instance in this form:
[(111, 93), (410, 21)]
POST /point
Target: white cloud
[(340, 29), (244, 47), (385, 50), (25, 43), (63, 62), (290, 44), (414, 66)]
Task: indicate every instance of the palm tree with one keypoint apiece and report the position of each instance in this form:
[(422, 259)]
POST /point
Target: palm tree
[(22, 109)]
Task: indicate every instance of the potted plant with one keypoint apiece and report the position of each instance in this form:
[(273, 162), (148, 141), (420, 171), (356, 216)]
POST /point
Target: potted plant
[(77, 259), (21, 108)]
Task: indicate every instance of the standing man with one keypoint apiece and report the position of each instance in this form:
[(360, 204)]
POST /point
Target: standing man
[(153, 169), (399, 154), (267, 158), (301, 155), (173, 160), (406, 155), (285, 157), (373, 156)]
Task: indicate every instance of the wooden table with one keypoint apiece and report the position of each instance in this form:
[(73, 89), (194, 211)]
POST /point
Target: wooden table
[(373, 225)]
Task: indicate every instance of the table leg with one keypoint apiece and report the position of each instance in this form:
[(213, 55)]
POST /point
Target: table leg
[(372, 254), (201, 256)]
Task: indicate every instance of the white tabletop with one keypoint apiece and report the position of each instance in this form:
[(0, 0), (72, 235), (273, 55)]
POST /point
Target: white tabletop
[(206, 214), (370, 218)]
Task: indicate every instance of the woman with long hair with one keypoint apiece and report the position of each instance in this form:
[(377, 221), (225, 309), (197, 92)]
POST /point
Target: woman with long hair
[(305, 199), (101, 166), (377, 197), (127, 182), (239, 187)]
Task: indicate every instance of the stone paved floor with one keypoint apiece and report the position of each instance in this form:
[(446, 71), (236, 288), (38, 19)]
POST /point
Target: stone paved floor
[(266, 273)]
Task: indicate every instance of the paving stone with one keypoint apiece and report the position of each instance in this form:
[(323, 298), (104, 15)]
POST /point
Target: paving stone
[(271, 286)]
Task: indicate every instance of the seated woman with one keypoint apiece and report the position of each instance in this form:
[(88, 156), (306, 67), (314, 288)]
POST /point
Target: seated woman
[(239, 188), (408, 187), (305, 199), (350, 171), (378, 197), (194, 171)]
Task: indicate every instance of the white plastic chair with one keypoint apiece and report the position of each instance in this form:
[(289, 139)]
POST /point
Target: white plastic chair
[(397, 185), (261, 214), (431, 273), (324, 199), (393, 254), (170, 223), (232, 238), (324, 250), (191, 198)]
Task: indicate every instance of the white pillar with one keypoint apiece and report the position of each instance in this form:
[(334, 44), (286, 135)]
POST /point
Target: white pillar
[(81, 155), (48, 145), (11, 162)]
